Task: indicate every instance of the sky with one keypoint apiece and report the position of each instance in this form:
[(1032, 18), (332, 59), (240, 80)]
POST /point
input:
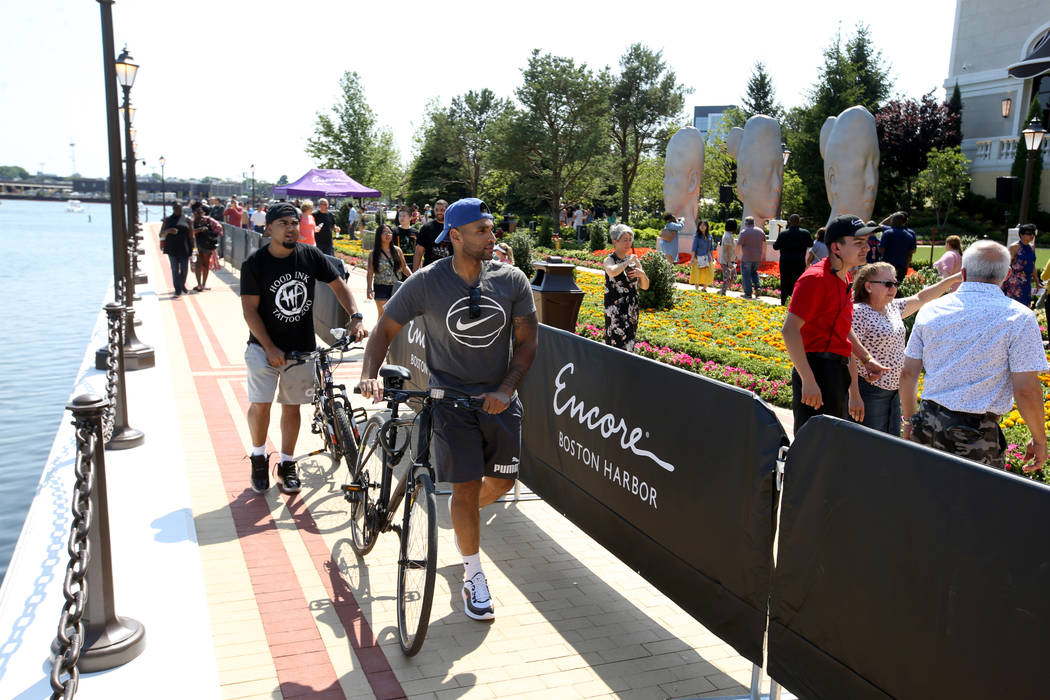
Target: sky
[(226, 85)]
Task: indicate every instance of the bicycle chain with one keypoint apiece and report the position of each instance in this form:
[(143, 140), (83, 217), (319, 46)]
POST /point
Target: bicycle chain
[(70, 638)]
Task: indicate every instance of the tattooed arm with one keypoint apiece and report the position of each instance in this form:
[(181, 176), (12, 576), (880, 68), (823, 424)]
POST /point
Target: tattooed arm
[(525, 332)]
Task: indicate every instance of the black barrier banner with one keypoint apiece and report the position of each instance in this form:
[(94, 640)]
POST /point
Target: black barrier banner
[(670, 471), (903, 572), (409, 350), (328, 312)]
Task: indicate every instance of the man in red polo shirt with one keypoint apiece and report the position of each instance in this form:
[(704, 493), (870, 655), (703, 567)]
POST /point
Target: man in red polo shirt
[(818, 330)]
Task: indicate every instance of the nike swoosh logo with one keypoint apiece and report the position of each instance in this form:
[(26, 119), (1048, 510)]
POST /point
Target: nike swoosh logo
[(460, 326)]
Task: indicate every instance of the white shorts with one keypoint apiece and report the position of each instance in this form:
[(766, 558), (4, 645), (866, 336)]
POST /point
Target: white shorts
[(293, 385)]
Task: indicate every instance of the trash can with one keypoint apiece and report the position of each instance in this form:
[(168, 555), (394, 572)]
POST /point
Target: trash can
[(556, 295)]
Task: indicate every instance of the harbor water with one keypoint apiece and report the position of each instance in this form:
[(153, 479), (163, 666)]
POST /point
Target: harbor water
[(54, 289)]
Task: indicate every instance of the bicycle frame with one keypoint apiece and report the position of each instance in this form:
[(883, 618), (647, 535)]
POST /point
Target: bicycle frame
[(389, 494)]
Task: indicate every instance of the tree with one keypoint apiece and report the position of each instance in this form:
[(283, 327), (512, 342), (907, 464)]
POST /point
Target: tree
[(13, 172), (560, 130), (434, 173), (955, 107), (473, 121), (908, 130), (1020, 165), (761, 97), (945, 179), (349, 139), (644, 99), (791, 194), (282, 180), (851, 75)]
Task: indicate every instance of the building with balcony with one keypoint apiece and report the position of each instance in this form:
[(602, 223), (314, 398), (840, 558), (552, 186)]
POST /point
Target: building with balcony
[(990, 41)]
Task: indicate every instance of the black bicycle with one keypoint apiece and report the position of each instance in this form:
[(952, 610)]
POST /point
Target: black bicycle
[(334, 419), (384, 455)]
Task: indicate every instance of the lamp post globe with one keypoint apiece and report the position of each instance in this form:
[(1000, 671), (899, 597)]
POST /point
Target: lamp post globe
[(1033, 136)]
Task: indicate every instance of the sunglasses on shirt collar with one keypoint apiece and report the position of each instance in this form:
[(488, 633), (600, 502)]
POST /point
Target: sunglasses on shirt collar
[(474, 303)]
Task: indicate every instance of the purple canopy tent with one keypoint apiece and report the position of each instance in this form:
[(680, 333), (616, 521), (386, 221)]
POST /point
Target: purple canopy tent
[(325, 183)]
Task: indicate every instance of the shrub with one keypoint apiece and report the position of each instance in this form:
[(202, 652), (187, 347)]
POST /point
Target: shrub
[(660, 294), (545, 239), (521, 244), (599, 235)]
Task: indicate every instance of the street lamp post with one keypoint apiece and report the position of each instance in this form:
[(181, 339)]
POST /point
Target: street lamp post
[(1033, 141), (163, 193), (253, 186), (137, 354), (786, 153)]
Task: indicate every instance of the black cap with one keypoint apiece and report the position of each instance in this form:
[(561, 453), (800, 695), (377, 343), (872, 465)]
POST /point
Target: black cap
[(846, 226), (281, 210)]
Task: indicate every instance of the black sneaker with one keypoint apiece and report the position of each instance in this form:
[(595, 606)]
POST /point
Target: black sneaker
[(477, 603), (260, 473), (287, 478)]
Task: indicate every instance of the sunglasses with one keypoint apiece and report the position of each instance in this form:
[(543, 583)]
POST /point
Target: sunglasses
[(474, 303), (891, 283)]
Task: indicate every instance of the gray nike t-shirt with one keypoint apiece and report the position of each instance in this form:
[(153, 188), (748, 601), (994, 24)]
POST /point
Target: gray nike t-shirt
[(468, 354)]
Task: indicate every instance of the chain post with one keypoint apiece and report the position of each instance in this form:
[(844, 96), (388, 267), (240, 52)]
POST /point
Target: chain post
[(119, 435), (90, 635)]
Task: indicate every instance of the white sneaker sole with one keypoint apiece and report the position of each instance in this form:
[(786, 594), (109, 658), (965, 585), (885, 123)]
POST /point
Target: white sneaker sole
[(489, 615)]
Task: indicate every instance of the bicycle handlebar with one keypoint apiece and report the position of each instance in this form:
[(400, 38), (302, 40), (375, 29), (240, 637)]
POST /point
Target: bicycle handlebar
[(342, 345), (436, 395)]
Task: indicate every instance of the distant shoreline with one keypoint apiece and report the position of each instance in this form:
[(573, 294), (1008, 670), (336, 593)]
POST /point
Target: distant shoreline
[(27, 198)]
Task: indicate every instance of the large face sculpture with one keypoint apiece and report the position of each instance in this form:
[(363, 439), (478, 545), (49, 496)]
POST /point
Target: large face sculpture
[(849, 145), (683, 174), (760, 165)]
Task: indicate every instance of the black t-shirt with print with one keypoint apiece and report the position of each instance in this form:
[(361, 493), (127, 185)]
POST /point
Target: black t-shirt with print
[(405, 239), (433, 251), (323, 235), (285, 287)]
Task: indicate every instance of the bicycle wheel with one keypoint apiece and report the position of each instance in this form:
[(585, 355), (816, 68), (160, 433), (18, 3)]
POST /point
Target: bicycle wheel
[(344, 436), (363, 520), (417, 565)]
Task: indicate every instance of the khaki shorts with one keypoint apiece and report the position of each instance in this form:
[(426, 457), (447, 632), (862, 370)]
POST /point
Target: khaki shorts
[(293, 385)]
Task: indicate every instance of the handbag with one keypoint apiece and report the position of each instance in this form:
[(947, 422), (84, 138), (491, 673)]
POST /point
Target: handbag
[(702, 261), (668, 235)]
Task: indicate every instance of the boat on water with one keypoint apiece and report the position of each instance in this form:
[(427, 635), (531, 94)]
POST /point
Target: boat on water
[(74, 206)]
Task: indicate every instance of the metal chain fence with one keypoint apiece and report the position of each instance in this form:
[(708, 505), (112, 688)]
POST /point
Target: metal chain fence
[(70, 640), (115, 317)]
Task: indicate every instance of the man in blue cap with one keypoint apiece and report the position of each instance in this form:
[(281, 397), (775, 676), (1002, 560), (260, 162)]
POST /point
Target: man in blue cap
[(481, 339)]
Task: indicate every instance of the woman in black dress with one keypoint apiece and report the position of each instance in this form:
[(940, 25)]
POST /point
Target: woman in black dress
[(623, 276), (178, 244)]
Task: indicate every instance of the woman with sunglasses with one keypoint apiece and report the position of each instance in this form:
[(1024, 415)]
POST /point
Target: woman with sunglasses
[(878, 322), (384, 264)]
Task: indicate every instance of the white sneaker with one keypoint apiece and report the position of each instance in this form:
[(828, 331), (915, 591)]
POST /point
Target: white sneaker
[(477, 603), (455, 540)]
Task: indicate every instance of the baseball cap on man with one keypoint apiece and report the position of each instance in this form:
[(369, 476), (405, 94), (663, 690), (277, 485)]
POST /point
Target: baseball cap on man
[(461, 212), (847, 226), (281, 210)]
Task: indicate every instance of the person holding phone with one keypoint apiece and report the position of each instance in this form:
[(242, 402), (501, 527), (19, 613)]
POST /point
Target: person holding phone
[(623, 276)]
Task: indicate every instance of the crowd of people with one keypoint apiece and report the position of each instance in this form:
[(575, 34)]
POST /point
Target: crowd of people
[(975, 334)]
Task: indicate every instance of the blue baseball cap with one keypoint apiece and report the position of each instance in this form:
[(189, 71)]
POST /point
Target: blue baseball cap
[(463, 211)]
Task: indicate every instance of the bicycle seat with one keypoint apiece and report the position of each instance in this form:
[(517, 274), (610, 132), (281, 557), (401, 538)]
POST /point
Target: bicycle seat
[(388, 371), (394, 376)]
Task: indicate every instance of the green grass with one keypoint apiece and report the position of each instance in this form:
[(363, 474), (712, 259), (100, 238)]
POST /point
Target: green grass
[(922, 254)]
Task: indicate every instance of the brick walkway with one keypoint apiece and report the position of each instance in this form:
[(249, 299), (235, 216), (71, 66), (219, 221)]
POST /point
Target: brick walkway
[(296, 614)]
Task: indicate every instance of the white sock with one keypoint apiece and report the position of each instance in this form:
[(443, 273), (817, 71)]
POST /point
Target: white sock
[(471, 565), (260, 450), (287, 458)]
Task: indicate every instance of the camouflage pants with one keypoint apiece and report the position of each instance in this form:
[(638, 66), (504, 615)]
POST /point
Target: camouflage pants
[(966, 435)]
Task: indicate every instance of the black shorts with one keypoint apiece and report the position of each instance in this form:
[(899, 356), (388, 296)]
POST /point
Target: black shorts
[(471, 444), (383, 291)]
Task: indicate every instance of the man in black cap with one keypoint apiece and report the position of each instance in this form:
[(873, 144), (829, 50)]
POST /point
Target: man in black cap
[(818, 331), (277, 296)]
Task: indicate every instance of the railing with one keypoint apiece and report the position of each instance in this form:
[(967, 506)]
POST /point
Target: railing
[(1002, 150)]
